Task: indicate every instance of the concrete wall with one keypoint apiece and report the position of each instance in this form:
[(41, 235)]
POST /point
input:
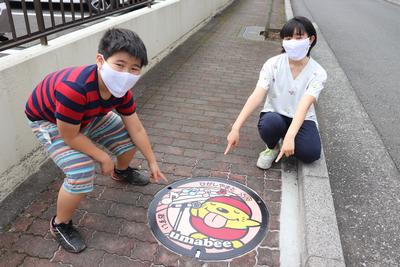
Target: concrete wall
[(162, 27)]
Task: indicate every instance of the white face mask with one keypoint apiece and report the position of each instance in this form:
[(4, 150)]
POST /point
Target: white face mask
[(296, 49), (117, 82)]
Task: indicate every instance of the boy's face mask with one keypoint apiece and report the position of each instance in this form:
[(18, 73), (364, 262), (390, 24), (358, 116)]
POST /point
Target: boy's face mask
[(296, 49), (117, 82)]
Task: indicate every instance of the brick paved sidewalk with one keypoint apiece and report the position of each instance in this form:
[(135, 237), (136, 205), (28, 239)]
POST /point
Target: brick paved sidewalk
[(187, 104)]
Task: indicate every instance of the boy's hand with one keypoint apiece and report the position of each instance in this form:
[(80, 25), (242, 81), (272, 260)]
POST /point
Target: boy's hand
[(107, 165), (156, 175), (287, 148), (233, 140)]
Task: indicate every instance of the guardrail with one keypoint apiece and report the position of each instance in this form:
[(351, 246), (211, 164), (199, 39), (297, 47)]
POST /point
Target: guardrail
[(67, 17)]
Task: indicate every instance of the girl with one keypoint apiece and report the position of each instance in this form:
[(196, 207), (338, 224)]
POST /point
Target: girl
[(293, 81)]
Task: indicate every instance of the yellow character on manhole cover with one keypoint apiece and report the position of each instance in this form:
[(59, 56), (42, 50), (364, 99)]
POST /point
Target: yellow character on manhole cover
[(224, 218)]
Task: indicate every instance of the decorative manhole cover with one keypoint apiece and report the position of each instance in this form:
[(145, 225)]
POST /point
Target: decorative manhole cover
[(208, 218)]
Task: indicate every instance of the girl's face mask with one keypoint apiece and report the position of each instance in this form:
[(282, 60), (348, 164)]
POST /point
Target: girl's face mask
[(296, 49), (117, 82)]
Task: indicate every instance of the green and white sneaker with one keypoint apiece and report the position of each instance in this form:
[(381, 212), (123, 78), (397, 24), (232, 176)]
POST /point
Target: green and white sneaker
[(267, 157)]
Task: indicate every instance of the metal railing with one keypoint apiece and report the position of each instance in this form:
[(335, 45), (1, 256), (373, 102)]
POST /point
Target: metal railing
[(58, 20)]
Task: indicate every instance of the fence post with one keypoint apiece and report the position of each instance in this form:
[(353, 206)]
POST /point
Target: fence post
[(40, 20)]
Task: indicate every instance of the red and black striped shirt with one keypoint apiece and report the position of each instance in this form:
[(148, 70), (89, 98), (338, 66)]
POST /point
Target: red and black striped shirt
[(72, 95)]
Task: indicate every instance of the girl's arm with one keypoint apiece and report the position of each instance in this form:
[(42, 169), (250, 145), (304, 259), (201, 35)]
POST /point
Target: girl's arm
[(252, 103), (298, 119)]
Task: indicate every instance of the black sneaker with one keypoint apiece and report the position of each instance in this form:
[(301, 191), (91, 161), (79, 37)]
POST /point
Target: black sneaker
[(68, 237), (130, 175)]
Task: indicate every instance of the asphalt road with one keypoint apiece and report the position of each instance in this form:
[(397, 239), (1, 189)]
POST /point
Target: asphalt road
[(359, 115)]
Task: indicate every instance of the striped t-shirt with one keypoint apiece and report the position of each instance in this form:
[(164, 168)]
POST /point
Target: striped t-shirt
[(72, 95)]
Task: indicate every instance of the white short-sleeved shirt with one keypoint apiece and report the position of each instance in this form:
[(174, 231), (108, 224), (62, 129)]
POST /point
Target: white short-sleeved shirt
[(284, 93)]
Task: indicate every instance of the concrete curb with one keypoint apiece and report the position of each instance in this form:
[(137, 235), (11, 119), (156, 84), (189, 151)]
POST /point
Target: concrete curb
[(320, 239)]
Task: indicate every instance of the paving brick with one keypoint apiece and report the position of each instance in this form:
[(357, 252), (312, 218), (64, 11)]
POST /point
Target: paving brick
[(11, 258), (213, 165), (114, 260), (190, 262), (274, 223), (162, 140), (168, 133), (271, 240), (237, 178), (219, 174), (21, 224), (43, 248), (7, 239), (200, 172), (273, 174), (214, 148), (144, 201), (36, 262), (47, 196), (247, 169), (36, 208), (274, 208), (167, 126), (268, 257), (150, 189), (39, 227), (112, 243), (109, 183), (89, 257), (273, 196), (183, 171), (56, 184), (199, 154), (187, 144), (168, 149), (127, 197), (248, 259), (93, 205), (196, 130), (166, 257), (101, 222), (97, 191), (257, 184), (129, 212), (182, 161), (144, 251)]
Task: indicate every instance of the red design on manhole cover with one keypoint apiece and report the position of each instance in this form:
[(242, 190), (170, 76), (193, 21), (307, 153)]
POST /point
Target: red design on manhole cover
[(208, 218)]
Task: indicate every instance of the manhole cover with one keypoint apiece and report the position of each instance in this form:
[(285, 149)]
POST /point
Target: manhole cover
[(253, 33), (208, 218)]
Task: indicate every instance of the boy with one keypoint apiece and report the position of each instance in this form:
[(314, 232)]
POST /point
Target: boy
[(72, 108)]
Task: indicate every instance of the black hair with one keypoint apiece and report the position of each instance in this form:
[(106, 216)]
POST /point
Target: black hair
[(118, 39), (299, 25)]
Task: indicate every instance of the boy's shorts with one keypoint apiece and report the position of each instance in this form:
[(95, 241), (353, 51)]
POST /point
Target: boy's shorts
[(108, 131)]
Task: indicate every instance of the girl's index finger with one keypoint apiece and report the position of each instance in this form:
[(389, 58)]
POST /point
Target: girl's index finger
[(228, 147), (279, 156)]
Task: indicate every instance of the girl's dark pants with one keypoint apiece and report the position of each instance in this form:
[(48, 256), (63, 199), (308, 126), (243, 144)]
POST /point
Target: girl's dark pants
[(273, 126)]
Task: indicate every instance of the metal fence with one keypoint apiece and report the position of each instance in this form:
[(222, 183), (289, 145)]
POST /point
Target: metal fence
[(47, 17)]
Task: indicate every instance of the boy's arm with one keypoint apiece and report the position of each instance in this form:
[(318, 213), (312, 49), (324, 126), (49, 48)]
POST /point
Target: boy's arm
[(72, 137), (140, 138), (298, 119)]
